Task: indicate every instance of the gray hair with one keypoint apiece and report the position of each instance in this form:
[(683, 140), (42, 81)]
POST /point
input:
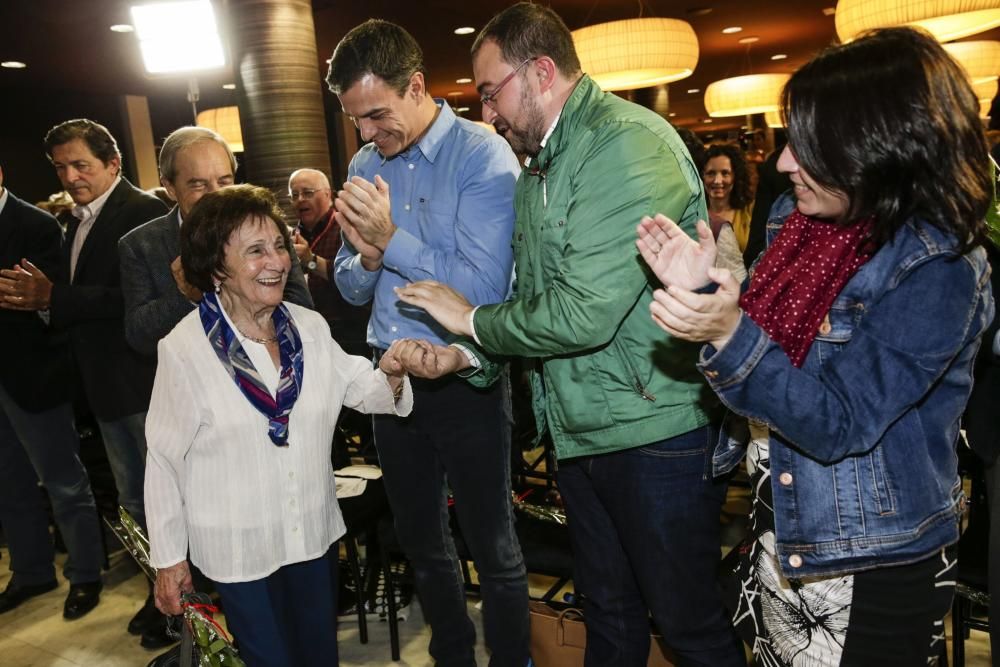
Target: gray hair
[(185, 137)]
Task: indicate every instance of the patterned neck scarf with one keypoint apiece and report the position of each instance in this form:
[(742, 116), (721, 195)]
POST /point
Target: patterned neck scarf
[(800, 275), (234, 358)]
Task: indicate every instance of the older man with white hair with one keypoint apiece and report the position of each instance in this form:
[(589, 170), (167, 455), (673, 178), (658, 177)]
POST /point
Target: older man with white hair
[(317, 240)]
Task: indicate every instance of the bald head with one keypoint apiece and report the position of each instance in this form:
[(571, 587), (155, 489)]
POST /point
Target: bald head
[(311, 196)]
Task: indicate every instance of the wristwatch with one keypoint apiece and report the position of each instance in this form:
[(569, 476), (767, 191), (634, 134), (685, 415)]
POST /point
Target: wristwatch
[(311, 265)]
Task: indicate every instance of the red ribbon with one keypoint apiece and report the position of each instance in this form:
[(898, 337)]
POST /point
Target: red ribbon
[(211, 609)]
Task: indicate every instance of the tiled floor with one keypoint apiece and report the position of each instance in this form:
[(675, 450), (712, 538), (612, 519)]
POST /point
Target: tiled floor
[(35, 634)]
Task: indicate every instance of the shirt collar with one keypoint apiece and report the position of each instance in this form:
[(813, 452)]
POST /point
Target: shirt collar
[(93, 209), (3, 198), (433, 138), (545, 138)]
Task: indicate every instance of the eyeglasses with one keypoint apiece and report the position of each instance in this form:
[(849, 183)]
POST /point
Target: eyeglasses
[(488, 98), (304, 194)]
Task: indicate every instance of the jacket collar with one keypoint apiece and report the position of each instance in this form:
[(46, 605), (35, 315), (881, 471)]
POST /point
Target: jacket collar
[(571, 116)]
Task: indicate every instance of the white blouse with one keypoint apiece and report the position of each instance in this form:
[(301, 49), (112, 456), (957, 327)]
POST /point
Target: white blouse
[(215, 483)]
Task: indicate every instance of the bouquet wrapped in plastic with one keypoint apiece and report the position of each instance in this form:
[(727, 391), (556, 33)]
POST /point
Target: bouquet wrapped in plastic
[(203, 641)]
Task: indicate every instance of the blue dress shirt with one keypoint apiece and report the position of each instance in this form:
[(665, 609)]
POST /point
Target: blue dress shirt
[(452, 200)]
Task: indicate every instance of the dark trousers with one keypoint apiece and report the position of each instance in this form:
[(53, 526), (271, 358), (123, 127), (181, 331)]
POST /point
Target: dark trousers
[(287, 619), (44, 447), (644, 526), (992, 473), (125, 443), (895, 612), (458, 437)]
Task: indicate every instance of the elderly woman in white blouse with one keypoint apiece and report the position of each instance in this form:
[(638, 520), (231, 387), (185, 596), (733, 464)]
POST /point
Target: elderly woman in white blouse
[(247, 394)]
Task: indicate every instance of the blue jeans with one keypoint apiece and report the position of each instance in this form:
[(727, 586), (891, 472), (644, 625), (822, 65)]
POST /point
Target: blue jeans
[(458, 437), (286, 619), (125, 442), (43, 446), (644, 525)]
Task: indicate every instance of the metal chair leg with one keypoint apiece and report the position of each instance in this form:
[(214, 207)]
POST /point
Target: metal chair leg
[(351, 547)]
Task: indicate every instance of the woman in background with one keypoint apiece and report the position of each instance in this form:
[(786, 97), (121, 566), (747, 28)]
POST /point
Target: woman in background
[(727, 188)]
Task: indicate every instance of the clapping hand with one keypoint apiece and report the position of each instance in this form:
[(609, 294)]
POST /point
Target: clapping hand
[(674, 257), (702, 318), (190, 292), (364, 215), (24, 287)]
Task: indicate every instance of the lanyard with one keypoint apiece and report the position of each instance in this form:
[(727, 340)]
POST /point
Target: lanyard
[(329, 224)]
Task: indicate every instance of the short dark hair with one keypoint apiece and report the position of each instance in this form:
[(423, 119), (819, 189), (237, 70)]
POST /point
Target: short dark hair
[(527, 30), (213, 220), (740, 196), (96, 136), (891, 121), (375, 47)]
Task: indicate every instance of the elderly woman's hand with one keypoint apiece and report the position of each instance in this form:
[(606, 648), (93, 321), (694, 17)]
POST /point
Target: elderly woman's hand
[(674, 257), (424, 359), (170, 583), (702, 318)]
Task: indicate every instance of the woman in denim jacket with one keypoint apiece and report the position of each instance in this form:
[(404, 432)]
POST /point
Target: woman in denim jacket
[(850, 352)]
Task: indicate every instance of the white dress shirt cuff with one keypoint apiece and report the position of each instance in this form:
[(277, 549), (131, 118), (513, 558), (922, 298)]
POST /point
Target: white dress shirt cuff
[(472, 326)]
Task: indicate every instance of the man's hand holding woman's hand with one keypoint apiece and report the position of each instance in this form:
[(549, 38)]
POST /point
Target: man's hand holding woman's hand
[(423, 359)]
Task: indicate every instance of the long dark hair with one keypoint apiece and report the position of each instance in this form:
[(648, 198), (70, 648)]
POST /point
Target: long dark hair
[(740, 196), (891, 121)]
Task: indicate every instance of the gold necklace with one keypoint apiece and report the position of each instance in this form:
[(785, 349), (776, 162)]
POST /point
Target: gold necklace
[(261, 341)]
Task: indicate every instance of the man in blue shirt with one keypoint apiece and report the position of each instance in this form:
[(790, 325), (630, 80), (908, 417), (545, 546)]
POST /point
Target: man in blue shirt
[(431, 197)]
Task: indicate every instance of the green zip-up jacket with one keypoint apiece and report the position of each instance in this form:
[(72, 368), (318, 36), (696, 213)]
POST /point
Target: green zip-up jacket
[(610, 379)]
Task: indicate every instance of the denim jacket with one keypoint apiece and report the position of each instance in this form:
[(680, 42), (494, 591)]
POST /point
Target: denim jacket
[(863, 436)]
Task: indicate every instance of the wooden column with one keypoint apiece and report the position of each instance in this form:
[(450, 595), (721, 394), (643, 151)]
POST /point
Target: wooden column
[(279, 91)]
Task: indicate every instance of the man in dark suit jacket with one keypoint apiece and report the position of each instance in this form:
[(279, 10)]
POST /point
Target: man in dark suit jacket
[(193, 162), (84, 297), (38, 439)]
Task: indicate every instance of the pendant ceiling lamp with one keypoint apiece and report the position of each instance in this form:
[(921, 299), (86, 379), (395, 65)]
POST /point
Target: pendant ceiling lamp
[(226, 122), (773, 119), (637, 53), (986, 91), (742, 95), (980, 59), (945, 19)]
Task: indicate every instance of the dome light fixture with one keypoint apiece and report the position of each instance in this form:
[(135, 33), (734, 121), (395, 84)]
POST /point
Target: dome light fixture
[(743, 95), (226, 122), (945, 19), (981, 59), (637, 53)]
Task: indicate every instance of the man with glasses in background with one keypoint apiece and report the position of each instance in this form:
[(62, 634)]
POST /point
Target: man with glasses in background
[(317, 240), (431, 197)]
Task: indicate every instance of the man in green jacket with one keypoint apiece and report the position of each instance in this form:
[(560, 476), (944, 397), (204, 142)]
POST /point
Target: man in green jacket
[(626, 409)]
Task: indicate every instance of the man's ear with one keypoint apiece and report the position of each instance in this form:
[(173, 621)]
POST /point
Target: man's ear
[(417, 87), (169, 187), (545, 70)]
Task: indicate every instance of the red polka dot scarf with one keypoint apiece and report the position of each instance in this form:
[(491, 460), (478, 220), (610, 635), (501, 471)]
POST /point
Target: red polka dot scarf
[(800, 275)]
